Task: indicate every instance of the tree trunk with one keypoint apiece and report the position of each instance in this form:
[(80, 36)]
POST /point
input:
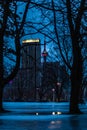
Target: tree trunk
[(76, 72), (1, 70), (1, 97), (74, 100), (76, 82)]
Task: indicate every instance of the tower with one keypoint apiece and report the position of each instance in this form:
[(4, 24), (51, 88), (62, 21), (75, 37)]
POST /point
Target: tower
[(31, 61)]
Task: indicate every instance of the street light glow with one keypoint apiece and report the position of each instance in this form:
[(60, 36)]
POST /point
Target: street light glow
[(53, 113), (31, 41), (37, 113), (59, 113)]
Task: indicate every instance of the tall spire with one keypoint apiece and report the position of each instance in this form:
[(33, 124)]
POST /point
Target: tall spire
[(44, 44), (44, 53)]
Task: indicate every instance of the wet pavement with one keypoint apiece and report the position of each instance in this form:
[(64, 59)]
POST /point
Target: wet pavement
[(42, 116)]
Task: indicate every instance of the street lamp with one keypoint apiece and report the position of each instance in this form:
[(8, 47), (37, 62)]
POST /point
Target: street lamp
[(59, 84), (34, 42), (53, 90), (59, 90)]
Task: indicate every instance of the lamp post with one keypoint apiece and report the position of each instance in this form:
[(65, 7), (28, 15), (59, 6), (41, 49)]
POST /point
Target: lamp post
[(37, 94), (53, 91), (59, 90), (34, 42)]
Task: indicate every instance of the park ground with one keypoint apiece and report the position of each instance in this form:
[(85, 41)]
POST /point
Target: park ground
[(41, 116)]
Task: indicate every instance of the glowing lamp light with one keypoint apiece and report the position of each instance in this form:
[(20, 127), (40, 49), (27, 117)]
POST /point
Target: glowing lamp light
[(37, 114), (59, 113), (53, 89), (58, 83), (53, 113)]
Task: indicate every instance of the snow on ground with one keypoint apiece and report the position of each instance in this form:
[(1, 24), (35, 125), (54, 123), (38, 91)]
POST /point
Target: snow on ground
[(41, 116), (37, 110)]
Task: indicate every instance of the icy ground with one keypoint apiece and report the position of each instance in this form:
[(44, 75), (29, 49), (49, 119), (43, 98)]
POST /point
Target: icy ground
[(41, 116)]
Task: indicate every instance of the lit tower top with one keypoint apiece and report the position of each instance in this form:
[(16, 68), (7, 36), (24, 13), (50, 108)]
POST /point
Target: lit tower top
[(44, 53)]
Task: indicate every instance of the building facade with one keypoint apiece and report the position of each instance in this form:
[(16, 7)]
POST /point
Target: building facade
[(25, 84)]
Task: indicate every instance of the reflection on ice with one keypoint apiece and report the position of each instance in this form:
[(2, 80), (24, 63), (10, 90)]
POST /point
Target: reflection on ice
[(32, 117), (41, 116), (55, 124)]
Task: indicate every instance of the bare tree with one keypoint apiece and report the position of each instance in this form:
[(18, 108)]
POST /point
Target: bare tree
[(9, 19), (69, 15)]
